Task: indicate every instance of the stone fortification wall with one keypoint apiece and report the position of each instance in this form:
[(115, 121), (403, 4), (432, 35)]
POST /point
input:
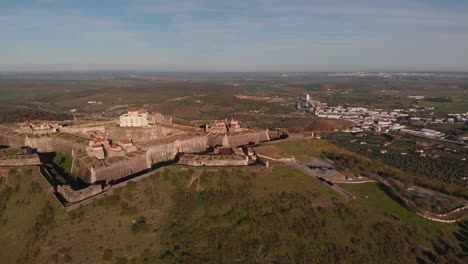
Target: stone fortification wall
[(81, 129), (72, 196), (81, 170), (54, 144), (240, 139), (20, 160), (212, 160), (11, 140), (169, 151), (121, 169), (124, 168), (181, 127), (138, 133), (159, 153), (42, 144)]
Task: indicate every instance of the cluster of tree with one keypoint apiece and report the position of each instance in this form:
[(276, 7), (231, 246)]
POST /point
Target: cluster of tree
[(20, 115), (385, 168), (446, 169), (438, 99)]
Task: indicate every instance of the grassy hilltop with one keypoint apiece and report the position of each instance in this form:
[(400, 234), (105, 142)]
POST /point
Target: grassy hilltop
[(246, 216)]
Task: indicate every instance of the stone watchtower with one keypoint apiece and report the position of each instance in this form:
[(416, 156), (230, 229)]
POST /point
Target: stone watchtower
[(226, 142)]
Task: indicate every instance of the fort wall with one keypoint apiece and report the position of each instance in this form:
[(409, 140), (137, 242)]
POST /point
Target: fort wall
[(72, 196), (81, 170), (54, 144), (207, 160), (169, 151), (81, 129), (236, 140), (42, 144), (127, 167), (13, 141), (121, 169), (20, 160), (138, 133)]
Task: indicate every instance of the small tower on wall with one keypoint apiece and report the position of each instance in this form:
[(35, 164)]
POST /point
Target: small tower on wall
[(225, 141)]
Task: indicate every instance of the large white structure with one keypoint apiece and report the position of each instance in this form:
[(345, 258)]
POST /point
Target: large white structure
[(134, 118)]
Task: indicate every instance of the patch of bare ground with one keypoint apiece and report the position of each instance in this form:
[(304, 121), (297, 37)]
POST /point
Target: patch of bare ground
[(326, 124)]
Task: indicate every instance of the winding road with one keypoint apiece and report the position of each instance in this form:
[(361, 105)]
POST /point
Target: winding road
[(450, 217)]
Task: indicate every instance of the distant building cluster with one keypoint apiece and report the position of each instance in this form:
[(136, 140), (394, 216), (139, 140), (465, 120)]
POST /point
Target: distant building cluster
[(379, 120), (416, 97), (42, 128), (141, 118), (429, 133)]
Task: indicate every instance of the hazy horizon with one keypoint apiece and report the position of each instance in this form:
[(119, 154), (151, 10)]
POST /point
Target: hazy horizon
[(241, 36)]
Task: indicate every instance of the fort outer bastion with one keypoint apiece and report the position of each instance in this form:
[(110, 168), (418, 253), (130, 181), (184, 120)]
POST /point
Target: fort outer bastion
[(138, 133), (162, 149), (159, 151), (43, 143)]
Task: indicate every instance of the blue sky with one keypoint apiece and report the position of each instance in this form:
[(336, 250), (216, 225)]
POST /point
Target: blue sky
[(254, 35)]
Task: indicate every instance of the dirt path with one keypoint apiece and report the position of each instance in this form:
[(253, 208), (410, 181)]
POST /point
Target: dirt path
[(196, 177)]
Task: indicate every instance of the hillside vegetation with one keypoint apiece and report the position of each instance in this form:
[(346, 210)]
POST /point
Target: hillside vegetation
[(249, 215)]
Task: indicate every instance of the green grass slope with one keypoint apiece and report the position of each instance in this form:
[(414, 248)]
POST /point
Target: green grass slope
[(233, 215)]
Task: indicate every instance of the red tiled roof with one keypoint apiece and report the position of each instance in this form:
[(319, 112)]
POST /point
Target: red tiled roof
[(218, 124), (132, 109)]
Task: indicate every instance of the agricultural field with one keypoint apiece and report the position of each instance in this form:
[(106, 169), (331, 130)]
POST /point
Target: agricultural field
[(439, 160), (253, 214), (265, 98)]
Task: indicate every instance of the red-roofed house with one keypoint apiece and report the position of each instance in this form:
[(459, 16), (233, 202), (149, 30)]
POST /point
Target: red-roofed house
[(127, 145), (217, 126)]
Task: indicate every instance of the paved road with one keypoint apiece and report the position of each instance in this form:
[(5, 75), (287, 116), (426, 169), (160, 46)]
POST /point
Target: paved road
[(346, 196), (450, 217)]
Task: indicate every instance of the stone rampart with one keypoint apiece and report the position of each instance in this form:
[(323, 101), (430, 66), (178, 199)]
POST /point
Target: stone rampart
[(43, 143), (236, 140), (54, 144), (213, 160), (72, 196), (127, 167), (138, 133), (81, 170), (20, 160), (169, 151), (13, 141), (81, 129), (121, 169)]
